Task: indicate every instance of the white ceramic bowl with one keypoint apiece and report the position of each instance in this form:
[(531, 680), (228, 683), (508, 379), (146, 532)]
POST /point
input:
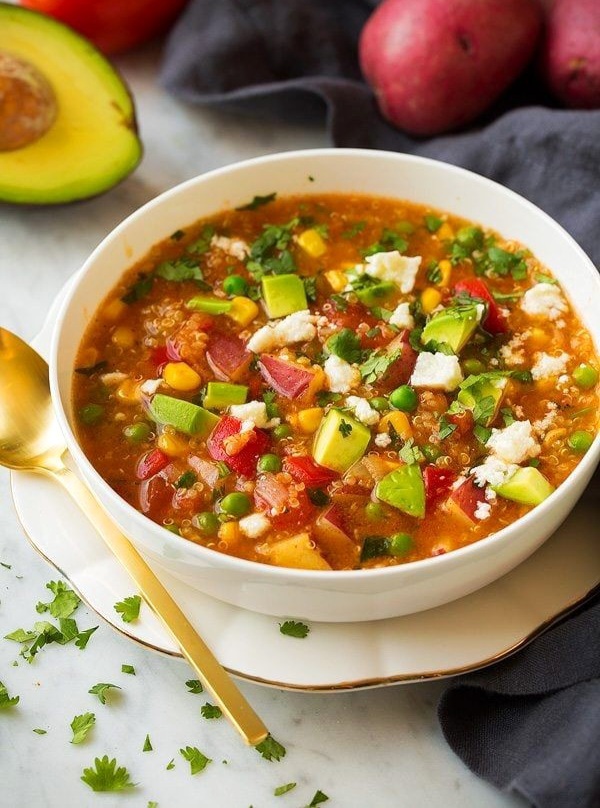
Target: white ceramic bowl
[(331, 596)]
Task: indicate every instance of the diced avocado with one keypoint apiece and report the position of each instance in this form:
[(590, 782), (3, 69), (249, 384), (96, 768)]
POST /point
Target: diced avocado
[(340, 441), (483, 394), (183, 415), (454, 325), (404, 489), (527, 486), (375, 295), (67, 121), (283, 294), (209, 305), (222, 394)]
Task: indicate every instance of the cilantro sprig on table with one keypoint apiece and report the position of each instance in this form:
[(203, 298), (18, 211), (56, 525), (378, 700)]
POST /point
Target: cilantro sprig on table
[(294, 628), (210, 711), (64, 603), (270, 749), (6, 700), (129, 608), (101, 689), (197, 760), (106, 775), (81, 726)]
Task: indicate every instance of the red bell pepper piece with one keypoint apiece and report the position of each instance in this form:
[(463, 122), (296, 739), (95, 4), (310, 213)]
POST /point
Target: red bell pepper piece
[(305, 470), (437, 483), (494, 321), (243, 461), (151, 463)]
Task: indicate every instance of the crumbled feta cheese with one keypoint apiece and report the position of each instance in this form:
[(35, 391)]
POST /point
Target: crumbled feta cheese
[(541, 426), (544, 300), (437, 371), (382, 440), (341, 376), (493, 471), (252, 414), (546, 365), (515, 443), (362, 410), (513, 353), (112, 379), (150, 386), (391, 266), (254, 525), (235, 247), (402, 317), (483, 510), (296, 327)]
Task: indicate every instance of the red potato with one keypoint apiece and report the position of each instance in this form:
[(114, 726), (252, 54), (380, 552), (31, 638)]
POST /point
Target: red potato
[(287, 378), (570, 52), (463, 501), (228, 357), (436, 65)]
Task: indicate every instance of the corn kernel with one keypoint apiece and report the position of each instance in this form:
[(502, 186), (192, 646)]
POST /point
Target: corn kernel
[(537, 338), (229, 532), (309, 420), (400, 423), (172, 444), (180, 376), (430, 298), (312, 243), (114, 309), (123, 336), (336, 279), (445, 232), (129, 392), (243, 310), (445, 268)]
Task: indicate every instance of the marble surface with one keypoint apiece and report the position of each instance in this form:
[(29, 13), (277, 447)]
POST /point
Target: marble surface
[(370, 748)]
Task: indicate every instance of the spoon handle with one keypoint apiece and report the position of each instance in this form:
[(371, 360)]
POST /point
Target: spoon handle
[(197, 653)]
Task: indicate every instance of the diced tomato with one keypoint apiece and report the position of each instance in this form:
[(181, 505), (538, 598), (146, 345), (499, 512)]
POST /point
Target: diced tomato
[(350, 317), (437, 483), (274, 497), (155, 497), (380, 335), (494, 321), (305, 470), (400, 371), (243, 461), (228, 357), (159, 358), (151, 464), (463, 421), (286, 378)]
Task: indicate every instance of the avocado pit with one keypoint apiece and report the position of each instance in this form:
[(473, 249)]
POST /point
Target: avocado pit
[(28, 106)]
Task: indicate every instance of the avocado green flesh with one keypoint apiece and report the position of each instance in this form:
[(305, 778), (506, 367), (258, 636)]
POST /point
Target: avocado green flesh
[(377, 294), (283, 295), (454, 326), (183, 415), (93, 142), (338, 450), (527, 486), (403, 489), (222, 394), (478, 388)]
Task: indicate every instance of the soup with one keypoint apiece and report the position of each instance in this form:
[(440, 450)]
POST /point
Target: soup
[(335, 382)]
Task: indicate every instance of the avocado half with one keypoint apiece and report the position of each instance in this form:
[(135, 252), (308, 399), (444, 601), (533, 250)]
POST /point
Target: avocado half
[(91, 140)]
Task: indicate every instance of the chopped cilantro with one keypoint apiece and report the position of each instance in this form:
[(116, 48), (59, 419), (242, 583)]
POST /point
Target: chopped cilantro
[(187, 480), (39, 731), (446, 429), (81, 725), (140, 289), (90, 370), (107, 776), (523, 376), (354, 229), (128, 669), (129, 608), (506, 296), (310, 287), (101, 689), (340, 302), (482, 433), (293, 628), (284, 789), (484, 409), (318, 497), (346, 345), (258, 202), (434, 273), (194, 686), (152, 804), (198, 762), (534, 461), (388, 240), (270, 397), (6, 566), (270, 749), (211, 711), (83, 637), (224, 470), (541, 278), (65, 600), (177, 235), (147, 747), (376, 366), (318, 799), (325, 397), (410, 453), (345, 428), (268, 254), (5, 699), (181, 269), (202, 244), (43, 633), (170, 765), (433, 346), (501, 262), (507, 416), (433, 223)]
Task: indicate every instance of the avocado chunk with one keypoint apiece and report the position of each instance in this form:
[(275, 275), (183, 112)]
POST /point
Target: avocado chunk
[(340, 441), (84, 130), (183, 415), (482, 394), (454, 326), (527, 486), (403, 489), (223, 394), (377, 294), (283, 294), (209, 305)]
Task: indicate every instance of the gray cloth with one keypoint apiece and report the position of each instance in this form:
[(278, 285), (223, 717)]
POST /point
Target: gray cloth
[(532, 723)]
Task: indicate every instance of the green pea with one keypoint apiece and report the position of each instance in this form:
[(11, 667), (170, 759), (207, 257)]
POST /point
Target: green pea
[(400, 544), (404, 398), (585, 376), (379, 403), (269, 462), (431, 452), (207, 523), (91, 414), (281, 431), (235, 285), (236, 504), (374, 511), (580, 441), (473, 367), (137, 433), (172, 529)]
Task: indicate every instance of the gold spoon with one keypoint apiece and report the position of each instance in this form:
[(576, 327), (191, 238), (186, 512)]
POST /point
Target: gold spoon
[(30, 440)]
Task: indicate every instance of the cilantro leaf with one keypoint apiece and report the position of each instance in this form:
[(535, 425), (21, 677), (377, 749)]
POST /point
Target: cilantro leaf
[(433, 223), (376, 366), (284, 789), (482, 433), (177, 235), (83, 637), (318, 799), (170, 765), (39, 731), (101, 690), (187, 480), (354, 229), (88, 371), (129, 608), (270, 397), (152, 804), (293, 628), (81, 725), (484, 409), (507, 416), (128, 669), (410, 453), (434, 273), (140, 289), (198, 762), (388, 240), (541, 278), (180, 269), (310, 288), (270, 749), (65, 600), (325, 397), (446, 429), (194, 686), (5, 699), (345, 428), (42, 634), (318, 497), (202, 244), (107, 776), (211, 711), (258, 202), (346, 345), (147, 747)]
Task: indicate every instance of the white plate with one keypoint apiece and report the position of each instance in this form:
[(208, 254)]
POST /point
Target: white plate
[(461, 636)]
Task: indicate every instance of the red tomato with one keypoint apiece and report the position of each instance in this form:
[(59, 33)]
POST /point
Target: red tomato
[(159, 358), (244, 461), (155, 497), (437, 483), (463, 421), (494, 321), (305, 470), (152, 463), (112, 25), (274, 497)]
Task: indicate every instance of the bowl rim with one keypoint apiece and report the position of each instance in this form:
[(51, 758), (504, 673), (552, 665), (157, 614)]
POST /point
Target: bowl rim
[(434, 563)]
